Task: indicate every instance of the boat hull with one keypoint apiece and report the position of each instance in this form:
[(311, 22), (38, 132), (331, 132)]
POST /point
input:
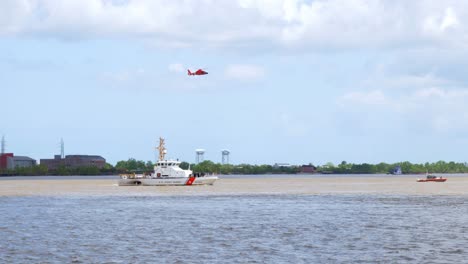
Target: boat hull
[(170, 181), (432, 180), (206, 180)]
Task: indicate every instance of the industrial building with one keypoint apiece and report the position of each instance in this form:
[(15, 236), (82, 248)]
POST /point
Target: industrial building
[(281, 165), (74, 161), (9, 161), (308, 169)]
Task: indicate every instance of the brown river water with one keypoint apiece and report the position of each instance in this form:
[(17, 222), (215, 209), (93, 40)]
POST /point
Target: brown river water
[(236, 185), (240, 219)]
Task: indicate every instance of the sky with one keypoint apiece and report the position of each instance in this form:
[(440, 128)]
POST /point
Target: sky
[(289, 81)]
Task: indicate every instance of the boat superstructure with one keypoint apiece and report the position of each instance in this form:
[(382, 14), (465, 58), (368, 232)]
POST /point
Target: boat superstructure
[(167, 172)]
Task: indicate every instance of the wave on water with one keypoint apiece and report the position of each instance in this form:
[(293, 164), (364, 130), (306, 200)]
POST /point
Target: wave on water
[(234, 229)]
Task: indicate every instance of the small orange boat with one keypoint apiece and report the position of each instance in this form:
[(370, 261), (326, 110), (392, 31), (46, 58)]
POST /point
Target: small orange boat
[(432, 178)]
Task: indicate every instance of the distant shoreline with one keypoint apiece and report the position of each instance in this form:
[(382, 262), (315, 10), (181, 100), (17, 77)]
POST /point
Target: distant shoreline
[(259, 174), (139, 166)]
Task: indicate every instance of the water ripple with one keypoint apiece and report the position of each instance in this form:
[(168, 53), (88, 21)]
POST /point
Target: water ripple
[(233, 229)]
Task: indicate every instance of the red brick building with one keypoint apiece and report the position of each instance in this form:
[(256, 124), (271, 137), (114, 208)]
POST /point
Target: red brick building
[(10, 161), (74, 161), (4, 160), (308, 169)]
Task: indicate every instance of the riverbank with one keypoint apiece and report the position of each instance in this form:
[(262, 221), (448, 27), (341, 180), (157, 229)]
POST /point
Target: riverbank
[(298, 185)]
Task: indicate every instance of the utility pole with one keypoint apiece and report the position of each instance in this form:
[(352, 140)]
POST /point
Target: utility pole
[(3, 144), (62, 149)]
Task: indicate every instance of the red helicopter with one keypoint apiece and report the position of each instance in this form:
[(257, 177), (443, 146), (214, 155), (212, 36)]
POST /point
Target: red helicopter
[(198, 72)]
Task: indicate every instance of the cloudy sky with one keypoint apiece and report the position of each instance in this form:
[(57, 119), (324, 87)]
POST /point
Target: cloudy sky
[(289, 80)]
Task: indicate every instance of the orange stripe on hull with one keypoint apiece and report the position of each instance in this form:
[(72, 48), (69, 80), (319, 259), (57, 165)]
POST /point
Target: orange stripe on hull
[(190, 181)]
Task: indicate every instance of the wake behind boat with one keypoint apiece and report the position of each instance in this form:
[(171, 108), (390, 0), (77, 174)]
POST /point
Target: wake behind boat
[(166, 172)]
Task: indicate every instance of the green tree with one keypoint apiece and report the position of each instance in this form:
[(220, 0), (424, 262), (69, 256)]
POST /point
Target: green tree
[(184, 165), (62, 170), (149, 166)]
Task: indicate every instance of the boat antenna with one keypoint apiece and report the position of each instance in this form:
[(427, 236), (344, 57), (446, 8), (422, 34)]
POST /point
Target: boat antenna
[(162, 149)]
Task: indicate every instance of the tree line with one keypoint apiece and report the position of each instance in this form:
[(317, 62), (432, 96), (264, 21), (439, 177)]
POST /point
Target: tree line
[(138, 166), (329, 168), (406, 167)]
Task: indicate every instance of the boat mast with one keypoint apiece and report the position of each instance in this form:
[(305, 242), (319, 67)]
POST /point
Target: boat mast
[(162, 149)]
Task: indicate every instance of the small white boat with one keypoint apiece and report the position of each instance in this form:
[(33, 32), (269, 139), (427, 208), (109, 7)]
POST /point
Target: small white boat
[(167, 172)]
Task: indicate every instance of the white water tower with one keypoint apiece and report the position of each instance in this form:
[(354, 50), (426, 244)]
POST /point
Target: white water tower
[(225, 156), (199, 155)]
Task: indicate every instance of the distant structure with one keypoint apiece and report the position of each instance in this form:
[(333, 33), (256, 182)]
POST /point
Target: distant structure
[(397, 170), (4, 158), (199, 155), (308, 169), (62, 149), (3, 145), (9, 161), (225, 156), (281, 165), (74, 161)]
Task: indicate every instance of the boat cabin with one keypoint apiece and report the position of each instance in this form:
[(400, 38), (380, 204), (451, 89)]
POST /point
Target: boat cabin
[(170, 168), (168, 163)]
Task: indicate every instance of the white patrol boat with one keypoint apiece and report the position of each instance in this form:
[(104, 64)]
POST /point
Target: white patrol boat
[(166, 172)]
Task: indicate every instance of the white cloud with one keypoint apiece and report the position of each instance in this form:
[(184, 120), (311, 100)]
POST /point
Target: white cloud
[(244, 72), (440, 110), (244, 23), (412, 81), (450, 19), (430, 92), (124, 76), (176, 67), (139, 79), (14, 15), (437, 24), (376, 98)]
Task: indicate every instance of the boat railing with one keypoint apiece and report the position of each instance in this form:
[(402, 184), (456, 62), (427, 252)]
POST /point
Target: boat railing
[(131, 176)]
